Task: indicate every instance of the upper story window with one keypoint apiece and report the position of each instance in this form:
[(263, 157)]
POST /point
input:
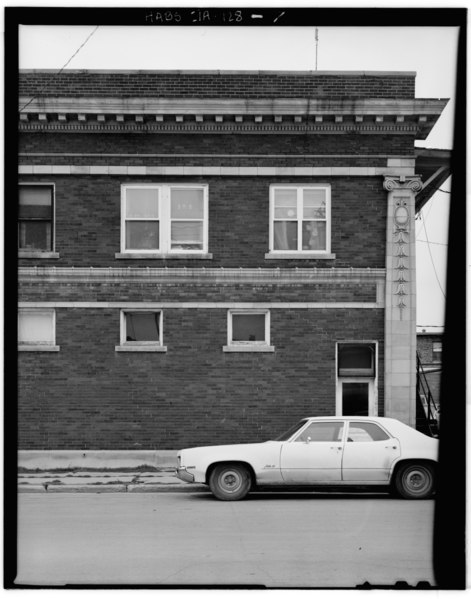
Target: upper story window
[(300, 219), (37, 330), (36, 217), (164, 219)]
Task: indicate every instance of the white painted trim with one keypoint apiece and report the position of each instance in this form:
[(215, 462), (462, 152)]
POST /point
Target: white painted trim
[(251, 345), (288, 254), (203, 305), (22, 252), (237, 106), (39, 310), (248, 349), (299, 256), (235, 171), (38, 348), (139, 346), (164, 219)]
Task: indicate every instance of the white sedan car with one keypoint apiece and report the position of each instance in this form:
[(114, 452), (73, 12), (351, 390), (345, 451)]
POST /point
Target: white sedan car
[(337, 451)]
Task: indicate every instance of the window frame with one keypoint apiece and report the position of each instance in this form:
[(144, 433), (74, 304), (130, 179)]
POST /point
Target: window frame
[(37, 252), (165, 221), (325, 253), (248, 346), (39, 345), (140, 346)]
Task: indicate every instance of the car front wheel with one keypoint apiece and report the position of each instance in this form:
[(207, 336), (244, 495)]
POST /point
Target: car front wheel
[(415, 481), (230, 482)]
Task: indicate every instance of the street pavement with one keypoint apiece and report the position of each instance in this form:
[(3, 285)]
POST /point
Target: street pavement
[(277, 540)]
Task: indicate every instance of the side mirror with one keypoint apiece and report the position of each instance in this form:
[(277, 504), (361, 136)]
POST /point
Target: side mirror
[(308, 440)]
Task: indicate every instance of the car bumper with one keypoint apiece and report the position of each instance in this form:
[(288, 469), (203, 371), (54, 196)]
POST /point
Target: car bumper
[(183, 474)]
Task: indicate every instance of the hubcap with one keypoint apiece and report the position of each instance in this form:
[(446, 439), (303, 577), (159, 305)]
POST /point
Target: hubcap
[(231, 481), (417, 480)]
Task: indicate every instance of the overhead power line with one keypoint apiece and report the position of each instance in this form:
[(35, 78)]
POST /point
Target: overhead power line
[(60, 71), (431, 259)]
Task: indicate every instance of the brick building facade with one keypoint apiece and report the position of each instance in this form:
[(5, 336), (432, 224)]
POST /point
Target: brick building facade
[(206, 257)]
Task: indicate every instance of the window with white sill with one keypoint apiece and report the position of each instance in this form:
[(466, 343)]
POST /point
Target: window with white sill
[(300, 220), (248, 330), (37, 330), (36, 218), (141, 330), (164, 219)]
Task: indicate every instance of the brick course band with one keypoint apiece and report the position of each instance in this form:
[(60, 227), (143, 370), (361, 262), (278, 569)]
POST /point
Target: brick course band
[(228, 171)]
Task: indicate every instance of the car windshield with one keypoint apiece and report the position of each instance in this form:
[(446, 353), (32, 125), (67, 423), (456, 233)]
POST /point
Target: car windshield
[(290, 432)]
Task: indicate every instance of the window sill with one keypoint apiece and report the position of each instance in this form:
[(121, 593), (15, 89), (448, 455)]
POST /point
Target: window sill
[(248, 348), (160, 256), (38, 254), (39, 348), (141, 348), (299, 256)]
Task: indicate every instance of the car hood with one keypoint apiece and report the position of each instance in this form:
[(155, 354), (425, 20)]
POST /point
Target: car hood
[(225, 448)]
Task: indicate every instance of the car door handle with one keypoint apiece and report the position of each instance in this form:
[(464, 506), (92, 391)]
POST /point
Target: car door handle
[(335, 447), (391, 447)]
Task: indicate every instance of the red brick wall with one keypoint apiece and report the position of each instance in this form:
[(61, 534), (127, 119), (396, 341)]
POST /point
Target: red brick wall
[(214, 85), (88, 221), (87, 396)]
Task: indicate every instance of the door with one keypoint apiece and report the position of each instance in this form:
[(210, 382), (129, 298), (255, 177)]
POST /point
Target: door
[(355, 397), (368, 453), (315, 455)]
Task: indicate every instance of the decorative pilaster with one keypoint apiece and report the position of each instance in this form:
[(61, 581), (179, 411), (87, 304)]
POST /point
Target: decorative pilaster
[(400, 299)]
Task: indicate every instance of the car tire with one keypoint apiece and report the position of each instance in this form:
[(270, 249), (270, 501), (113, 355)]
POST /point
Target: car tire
[(230, 482), (415, 481)]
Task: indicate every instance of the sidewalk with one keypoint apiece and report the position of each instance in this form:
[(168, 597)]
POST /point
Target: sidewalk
[(159, 480)]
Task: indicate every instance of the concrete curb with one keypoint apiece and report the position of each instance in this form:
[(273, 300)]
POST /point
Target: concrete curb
[(113, 488)]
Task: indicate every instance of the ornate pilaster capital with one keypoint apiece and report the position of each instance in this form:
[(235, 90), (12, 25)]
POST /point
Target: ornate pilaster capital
[(412, 183)]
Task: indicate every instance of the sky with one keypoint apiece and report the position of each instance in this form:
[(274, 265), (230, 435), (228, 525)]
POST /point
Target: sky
[(430, 51)]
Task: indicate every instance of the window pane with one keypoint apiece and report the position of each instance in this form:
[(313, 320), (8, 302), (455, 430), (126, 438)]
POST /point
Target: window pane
[(187, 236), (187, 203), (35, 328), (356, 359), (142, 235), (285, 235), (286, 203), (322, 431), (248, 327), (142, 203), (365, 432), (314, 235), (35, 195), (35, 235), (142, 326), (314, 203)]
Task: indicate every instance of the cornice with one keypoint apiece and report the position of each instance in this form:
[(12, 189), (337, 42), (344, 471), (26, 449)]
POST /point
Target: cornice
[(213, 115), (190, 276)]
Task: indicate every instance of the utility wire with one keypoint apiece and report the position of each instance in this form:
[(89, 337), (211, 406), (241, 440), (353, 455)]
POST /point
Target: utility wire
[(432, 242), (60, 71), (431, 259)]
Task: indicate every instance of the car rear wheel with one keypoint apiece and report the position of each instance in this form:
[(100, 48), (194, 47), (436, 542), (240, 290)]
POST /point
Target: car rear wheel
[(415, 481), (230, 482)]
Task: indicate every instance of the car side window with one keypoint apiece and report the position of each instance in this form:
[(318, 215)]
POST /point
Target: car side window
[(365, 432), (321, 431)]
